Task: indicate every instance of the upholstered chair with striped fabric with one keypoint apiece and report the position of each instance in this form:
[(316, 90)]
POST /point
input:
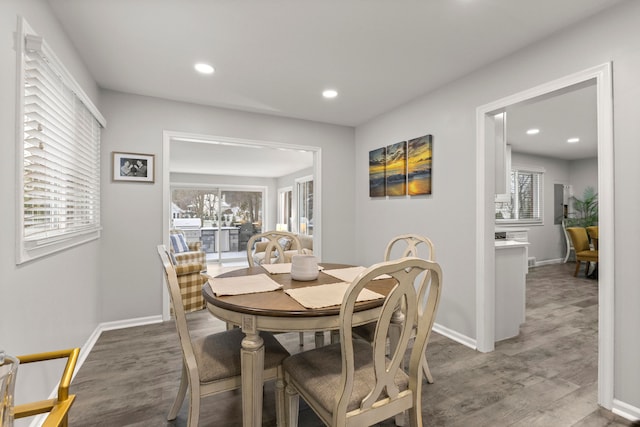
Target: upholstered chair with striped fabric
[(189, 261)]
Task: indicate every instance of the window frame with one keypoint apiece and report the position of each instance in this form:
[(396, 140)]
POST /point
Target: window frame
[(297, 205), (539, 195), (285, 205), (28, 249)]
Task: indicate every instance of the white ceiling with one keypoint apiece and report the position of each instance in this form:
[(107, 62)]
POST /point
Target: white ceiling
[(211, 157), (571, 113), (276, 57)]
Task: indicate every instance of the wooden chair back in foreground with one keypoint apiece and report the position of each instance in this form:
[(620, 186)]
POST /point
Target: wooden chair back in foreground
[(211, 363), (582, 248), (58, 407), (354, 383), (413, 245), (402, 246), (275, 243)]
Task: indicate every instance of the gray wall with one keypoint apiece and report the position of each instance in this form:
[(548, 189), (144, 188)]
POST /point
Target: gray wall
[(547, 240), (448, 217), (136, 124), (50, 303)]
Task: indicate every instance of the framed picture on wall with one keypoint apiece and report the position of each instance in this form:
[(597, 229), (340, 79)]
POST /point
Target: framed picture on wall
[(133, 167), (377, 172), (396, 169), (419, 159)]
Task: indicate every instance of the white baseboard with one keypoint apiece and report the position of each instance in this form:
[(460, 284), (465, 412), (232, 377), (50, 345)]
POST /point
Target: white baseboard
[(547, 262), (456, 336), (88, 346), (109, 326), (625, 410)]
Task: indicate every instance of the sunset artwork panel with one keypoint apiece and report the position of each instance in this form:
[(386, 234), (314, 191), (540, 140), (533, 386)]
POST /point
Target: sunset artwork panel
[(396, 169), (377, 172), (419, 165)]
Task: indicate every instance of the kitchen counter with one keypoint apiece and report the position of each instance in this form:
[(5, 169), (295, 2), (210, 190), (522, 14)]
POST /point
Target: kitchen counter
[(506, 244)]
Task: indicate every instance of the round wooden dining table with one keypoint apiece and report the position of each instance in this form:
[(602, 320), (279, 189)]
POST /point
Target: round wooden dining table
[(276, 311)]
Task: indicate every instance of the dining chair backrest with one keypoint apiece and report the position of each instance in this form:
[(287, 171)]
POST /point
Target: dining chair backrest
[(277, 243), (179, 313), (413, 245), (212, 362), (418, 304), (579, 238)]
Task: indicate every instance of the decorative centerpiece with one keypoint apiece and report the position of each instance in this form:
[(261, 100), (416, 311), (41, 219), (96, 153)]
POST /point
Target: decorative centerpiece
[(304, 267)]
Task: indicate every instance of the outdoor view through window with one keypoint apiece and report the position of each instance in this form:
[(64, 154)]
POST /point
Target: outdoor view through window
[(223, 220)]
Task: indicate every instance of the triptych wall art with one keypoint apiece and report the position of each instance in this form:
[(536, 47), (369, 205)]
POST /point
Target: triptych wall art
[(401, 169)]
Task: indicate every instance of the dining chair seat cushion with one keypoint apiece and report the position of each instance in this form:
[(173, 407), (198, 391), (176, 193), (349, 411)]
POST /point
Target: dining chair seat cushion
[(318, 373), (590, 255), (218, 355)]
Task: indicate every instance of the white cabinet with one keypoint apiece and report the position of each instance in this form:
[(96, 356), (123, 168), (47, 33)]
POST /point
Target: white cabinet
[(511, 268), (502, 159)]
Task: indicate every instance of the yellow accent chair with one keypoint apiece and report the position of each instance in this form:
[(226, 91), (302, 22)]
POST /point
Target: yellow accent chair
[(582, 248), (592, 231)]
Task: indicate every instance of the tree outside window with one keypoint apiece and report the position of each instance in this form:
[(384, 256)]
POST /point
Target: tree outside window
[(525, 204)]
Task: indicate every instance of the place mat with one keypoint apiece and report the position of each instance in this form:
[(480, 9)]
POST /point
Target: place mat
[(350, 273), (327, 295), (282, 268), (243, 285)]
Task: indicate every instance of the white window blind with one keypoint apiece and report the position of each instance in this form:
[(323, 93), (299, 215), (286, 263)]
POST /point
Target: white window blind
[(525, 203), (60, 162)]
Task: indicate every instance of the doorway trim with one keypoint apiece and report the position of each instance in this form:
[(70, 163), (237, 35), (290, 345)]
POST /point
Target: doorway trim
[(485, 253), (168, 135)]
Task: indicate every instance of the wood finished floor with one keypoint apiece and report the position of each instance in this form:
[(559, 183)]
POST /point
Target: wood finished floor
[(547, 376)]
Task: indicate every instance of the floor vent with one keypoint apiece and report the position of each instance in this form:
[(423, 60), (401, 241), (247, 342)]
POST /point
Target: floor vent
[(532, 261)]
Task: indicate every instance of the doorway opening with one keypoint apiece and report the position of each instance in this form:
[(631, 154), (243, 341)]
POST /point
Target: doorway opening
[(485, 213)]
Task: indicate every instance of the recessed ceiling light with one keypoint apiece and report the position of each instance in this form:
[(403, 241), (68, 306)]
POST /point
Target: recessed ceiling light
[(573, 140), (204, 68), (330, 93), (533, 131)]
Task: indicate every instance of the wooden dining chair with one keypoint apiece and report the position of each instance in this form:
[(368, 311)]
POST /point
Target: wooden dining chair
[(277, 247), (401, 246), (355, 383), (211, 364), (582, 248)]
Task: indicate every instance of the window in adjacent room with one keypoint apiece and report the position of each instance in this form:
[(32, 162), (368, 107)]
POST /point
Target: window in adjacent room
[(304, 203), (58, 154), (525, 201), (285, 196)]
